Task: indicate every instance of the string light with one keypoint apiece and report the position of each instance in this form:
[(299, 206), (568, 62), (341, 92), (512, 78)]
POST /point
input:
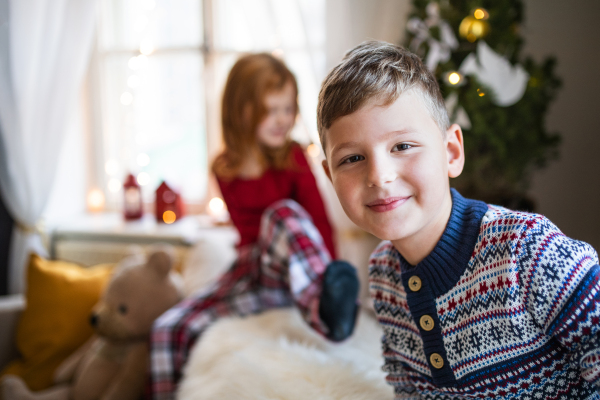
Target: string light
[(454, 78), (481, 13), (480, 92)]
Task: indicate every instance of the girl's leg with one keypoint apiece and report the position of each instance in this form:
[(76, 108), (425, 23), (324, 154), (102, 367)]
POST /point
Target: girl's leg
[(174, 332), (294, 257)]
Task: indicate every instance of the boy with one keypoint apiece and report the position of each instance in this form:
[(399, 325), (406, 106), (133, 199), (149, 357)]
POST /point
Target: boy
[(476, 301)]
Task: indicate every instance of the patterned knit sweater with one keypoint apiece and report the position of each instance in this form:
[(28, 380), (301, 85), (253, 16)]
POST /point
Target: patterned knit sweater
[(505, 306)]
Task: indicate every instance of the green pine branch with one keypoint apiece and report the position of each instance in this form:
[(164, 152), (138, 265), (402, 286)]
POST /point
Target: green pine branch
[(505, 145)]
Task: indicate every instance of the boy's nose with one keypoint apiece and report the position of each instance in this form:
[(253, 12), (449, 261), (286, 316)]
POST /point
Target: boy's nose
[(380, 172)]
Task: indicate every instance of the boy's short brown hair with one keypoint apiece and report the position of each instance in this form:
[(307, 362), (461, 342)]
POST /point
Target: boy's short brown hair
[(381, 71)]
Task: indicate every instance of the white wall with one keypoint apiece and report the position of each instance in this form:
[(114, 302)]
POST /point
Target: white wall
[(351, 22), (568, 191)]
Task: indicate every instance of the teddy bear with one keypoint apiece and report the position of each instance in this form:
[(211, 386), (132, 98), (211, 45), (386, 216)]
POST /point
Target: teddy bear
[(113, 364)]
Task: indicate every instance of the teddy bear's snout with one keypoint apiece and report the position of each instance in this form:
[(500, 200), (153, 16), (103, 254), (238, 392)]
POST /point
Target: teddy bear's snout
[(94, 319)]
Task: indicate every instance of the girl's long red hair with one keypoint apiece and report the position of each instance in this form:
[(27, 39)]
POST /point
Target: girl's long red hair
[(250, 80)]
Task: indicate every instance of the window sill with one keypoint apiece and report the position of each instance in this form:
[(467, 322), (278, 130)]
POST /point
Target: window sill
[(106, 237)]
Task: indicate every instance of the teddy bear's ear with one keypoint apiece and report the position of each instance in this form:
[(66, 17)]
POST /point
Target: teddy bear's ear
[(161, 259)]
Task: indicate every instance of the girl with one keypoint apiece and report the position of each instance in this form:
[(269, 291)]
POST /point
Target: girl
[(286, 246)]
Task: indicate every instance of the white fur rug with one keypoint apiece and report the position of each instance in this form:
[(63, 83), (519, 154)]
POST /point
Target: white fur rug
[(275, 355)]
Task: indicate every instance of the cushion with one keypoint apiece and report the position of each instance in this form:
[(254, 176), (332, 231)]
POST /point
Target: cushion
[(275, 355), (59, 298)]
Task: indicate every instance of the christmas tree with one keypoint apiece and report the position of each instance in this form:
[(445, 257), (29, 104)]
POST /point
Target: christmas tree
[(500, 100)]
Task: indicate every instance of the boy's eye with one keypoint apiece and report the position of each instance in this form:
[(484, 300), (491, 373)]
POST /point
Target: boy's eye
[(123, 309), (352, 159), (401, 146)]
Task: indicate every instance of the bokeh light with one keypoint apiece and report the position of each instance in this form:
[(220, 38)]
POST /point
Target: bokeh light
[(169, 217), (481, 13), (313, 150), (216, 206), (95, 200), (454, 78), (143, 178)]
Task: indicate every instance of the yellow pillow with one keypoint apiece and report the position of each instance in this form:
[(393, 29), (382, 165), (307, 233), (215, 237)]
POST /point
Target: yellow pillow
[(60, 296)]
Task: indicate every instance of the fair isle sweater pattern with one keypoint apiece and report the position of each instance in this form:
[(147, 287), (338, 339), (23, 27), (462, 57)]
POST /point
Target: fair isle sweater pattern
[(515, 307)]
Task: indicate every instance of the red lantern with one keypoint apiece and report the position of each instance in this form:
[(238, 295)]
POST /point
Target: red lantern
[(169, 206), (132, 208)]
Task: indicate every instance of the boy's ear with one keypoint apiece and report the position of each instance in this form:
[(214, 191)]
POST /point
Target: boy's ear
[(455, 150), (327, 171)]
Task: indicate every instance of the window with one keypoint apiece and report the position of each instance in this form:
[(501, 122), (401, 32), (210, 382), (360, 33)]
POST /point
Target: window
[(161, 66)]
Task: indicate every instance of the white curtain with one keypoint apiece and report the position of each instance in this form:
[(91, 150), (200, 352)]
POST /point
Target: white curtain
[(44, 50)]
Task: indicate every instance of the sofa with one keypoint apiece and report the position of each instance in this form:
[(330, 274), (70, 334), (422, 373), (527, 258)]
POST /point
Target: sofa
[(11, 308), (271, 355)]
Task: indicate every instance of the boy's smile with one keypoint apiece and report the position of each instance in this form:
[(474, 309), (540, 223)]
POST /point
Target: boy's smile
[(389, 166)]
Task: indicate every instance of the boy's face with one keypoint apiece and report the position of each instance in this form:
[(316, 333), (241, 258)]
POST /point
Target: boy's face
[(390, 167)]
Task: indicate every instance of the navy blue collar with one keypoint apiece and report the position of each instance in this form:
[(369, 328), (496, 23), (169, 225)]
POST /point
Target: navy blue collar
[(446, 263)]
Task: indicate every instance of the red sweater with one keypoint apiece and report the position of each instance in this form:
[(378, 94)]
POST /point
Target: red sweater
[(247, 199)]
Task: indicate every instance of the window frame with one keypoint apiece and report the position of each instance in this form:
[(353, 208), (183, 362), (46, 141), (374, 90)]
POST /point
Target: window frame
[(95, 118)]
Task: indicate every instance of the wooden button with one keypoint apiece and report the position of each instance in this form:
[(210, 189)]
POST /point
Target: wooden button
[(436, 360), (426, 322), (414, 283)]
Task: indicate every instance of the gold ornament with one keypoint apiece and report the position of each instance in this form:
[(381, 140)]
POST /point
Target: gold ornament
[(475, 25)]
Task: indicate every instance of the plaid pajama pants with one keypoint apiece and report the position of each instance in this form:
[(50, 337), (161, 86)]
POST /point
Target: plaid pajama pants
[(284, 267)]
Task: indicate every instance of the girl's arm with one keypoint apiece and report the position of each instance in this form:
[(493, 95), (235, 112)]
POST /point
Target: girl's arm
[(306, 193)]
